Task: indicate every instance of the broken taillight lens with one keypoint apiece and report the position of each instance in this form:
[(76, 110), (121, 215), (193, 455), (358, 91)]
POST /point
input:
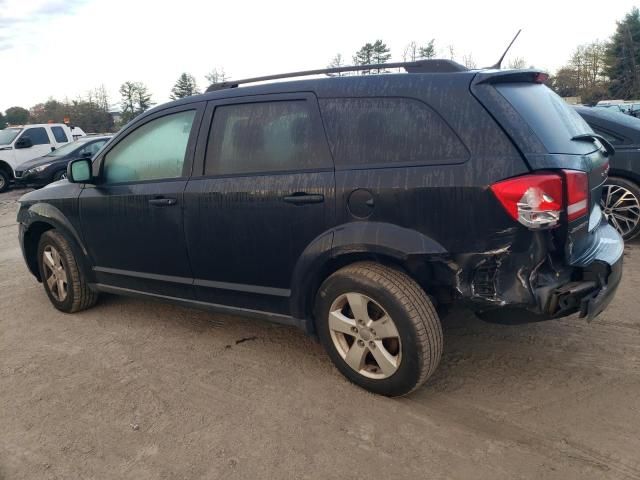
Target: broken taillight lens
[(535, 200)]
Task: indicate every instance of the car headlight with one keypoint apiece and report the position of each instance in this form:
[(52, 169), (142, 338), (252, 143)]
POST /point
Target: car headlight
[(38, 169)]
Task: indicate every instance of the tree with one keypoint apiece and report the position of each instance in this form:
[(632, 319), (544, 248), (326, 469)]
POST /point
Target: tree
[(216, 76), (364, 56), (16, 116), (623, 58), (3, 122), (468, 61), (381, 53), (584, 75), (427, 51), (336, 62), (185, 87), (517, 63), (410, 53), (135, 99)]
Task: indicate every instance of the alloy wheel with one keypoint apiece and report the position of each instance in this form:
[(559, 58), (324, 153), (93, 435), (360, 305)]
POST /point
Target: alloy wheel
[(55, 273), (365, 336), (621, 208)]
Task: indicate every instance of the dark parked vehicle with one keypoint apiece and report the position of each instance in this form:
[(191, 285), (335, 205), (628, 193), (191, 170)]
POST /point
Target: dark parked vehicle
[(53, 166), (621, 193), (353, 207)]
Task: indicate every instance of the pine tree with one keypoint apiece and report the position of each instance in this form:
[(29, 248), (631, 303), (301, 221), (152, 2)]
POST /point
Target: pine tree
[(381, 53), (623, 58), (135, 99), (428, 51), (364, 56), (185, 87)]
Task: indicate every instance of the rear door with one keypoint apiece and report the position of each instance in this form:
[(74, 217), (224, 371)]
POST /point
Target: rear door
[(132, 219), (264, 191)]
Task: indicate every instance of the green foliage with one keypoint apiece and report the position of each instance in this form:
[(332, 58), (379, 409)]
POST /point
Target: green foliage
[(16, 116), (86, 113), (427, 51), (135, 99), (623, 58), (376, 52), (584, 75), (185, 87), (3, 122)]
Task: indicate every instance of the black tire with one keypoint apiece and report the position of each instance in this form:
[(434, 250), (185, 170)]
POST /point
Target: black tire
[(78, 296), (624, 229), (413, 314), (4, 181), (59, 175)]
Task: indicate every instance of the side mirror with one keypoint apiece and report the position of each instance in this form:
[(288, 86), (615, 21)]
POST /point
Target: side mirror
[(79, 171), (24, 142)]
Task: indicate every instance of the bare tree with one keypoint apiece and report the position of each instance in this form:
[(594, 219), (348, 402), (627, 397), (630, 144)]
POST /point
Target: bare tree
[(336, 62), (516, 63), (410, 53), (468, 61), (217, 75)]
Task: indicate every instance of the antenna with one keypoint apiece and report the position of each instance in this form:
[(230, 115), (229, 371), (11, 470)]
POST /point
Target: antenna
[(498, 64)]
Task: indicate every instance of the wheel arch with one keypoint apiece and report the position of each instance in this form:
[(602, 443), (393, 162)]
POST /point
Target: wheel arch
[(626, 175), (37, 220), (403, 249)]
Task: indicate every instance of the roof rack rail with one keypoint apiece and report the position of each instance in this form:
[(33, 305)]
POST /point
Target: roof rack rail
[(419, 66)]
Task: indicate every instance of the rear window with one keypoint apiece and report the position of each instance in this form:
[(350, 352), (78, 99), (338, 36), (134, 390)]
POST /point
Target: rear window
[(59, 135), (552, 120), (384, 131)]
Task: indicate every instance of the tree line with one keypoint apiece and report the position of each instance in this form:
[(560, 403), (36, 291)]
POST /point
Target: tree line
[(597, 70)]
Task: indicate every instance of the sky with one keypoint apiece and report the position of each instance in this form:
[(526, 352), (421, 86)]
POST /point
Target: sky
[(64, 48)]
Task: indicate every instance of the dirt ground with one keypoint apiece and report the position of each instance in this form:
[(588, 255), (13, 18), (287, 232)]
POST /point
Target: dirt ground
[(140, 390)]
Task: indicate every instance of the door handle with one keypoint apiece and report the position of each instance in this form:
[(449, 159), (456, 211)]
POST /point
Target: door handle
[(301, 198), (162, 202)]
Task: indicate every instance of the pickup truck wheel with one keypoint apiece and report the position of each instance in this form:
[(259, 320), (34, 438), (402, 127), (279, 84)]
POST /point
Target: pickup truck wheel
[(63, 280), (379, 328), (4, 181), (621, 205)]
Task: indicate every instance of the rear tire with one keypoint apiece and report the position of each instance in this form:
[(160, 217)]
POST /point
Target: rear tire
[(379, 328), (624, 195), (63, 280)]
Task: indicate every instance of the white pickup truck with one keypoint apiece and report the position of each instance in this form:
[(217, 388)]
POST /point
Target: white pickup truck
[(22, 143)]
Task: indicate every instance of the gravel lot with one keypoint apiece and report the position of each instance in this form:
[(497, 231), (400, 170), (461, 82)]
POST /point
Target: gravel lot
[(134, 389)]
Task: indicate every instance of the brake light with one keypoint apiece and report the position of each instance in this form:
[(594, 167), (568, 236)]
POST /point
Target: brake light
[(537, 200), (577, 194), (534, 200)]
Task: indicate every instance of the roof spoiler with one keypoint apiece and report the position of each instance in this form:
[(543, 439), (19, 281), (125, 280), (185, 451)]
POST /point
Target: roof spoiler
[(512, 76)]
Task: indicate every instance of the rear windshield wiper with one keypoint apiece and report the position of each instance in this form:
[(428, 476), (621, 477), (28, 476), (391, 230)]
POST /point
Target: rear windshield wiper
[(594, 136)]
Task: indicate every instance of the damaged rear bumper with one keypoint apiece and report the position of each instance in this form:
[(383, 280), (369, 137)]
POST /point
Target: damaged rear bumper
[(535, 284)]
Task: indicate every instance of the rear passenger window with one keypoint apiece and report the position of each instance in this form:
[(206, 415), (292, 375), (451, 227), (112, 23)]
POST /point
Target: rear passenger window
[(264, 137), (38, 136), (381, 131), (59, 135)]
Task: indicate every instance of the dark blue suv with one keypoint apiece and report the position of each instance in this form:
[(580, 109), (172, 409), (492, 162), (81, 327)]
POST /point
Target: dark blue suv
[(353, 207)]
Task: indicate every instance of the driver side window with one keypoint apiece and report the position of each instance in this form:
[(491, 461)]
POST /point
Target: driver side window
[(153, 151)]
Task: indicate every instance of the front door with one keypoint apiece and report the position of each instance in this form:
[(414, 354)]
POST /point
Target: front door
[(132, 218), (266, 191), (40, 145)]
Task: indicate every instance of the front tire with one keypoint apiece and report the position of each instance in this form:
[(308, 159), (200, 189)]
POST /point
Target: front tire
[(379, 328), (4, 181), (61, 276)]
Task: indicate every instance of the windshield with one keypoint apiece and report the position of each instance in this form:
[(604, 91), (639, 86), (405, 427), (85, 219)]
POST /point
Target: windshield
[(65, 149), (8, 135)]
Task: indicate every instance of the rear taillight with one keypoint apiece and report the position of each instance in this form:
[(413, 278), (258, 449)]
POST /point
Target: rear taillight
[(577, 194), (537, 200)]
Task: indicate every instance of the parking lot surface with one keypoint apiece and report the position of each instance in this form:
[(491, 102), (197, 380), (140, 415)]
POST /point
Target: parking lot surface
[(135, 389)]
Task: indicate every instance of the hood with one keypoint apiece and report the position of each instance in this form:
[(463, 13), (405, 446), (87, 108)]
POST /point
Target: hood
[(24, 166)]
